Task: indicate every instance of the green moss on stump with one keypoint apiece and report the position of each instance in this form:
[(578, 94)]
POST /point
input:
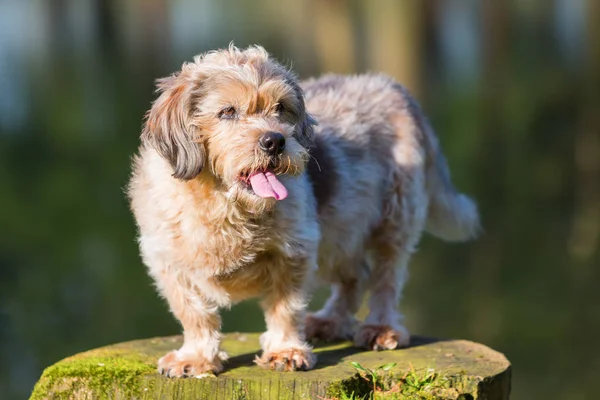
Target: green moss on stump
[(465, 370)]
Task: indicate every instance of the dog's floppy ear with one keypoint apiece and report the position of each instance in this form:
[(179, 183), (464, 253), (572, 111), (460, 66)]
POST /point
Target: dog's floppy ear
[(169, 129)]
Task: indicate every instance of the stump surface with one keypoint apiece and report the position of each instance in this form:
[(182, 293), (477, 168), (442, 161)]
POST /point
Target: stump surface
[(463, 370)]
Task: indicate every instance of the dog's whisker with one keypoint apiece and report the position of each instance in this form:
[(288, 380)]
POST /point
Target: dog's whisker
[(317, 161), (286, 166), (234, 199)]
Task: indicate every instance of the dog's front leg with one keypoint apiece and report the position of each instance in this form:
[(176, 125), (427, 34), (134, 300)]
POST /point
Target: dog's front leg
[(201, 323), (284, 346)]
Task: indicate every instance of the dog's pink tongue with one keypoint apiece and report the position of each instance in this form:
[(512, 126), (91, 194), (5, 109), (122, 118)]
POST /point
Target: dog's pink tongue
[(266, 184)]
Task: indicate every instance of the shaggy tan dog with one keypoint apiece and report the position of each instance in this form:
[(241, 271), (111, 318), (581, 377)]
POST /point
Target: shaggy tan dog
[(238, 193)]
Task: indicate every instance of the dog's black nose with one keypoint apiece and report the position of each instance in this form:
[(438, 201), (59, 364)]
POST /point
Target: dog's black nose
[(272, 143)]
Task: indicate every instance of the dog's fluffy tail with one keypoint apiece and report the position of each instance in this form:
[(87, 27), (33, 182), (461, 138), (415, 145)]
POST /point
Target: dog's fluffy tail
[(452, 216)]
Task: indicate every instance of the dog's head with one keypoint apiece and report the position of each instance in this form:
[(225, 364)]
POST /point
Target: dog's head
[(234, 116)]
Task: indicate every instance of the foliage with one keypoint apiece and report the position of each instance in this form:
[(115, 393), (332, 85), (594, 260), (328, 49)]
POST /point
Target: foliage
[(412, 385)]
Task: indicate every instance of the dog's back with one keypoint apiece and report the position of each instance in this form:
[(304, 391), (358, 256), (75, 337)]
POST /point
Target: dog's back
[(362, 121)]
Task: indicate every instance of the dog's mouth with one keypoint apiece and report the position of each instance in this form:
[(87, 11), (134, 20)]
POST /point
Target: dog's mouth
[(264, 184)]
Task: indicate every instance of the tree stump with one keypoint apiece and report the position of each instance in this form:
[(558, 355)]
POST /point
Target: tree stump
[(428, 369)]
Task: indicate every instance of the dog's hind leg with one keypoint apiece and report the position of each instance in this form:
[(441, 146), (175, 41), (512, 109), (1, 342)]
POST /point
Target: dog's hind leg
[(336, 319), (390, 249), (383, 328)]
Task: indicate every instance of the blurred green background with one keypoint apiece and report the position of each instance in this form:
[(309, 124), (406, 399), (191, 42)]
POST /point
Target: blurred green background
[(512, 88)]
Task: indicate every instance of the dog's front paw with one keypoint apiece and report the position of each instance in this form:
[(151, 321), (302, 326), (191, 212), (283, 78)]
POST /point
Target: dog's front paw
[(176, 364), (381, 337), (328, 328), (287, 360)]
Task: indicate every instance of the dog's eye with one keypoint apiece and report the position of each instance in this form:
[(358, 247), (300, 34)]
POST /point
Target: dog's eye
[(279, 108), (228, 113)]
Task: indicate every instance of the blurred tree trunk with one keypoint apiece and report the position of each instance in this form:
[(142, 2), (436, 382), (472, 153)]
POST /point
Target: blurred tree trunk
[(333, 35), (151, 32), (593, 42), (495, 25), (106, 30), (584, 235), (585, 232), (57, 24), (484, 321), (395, 39), (296, 25)]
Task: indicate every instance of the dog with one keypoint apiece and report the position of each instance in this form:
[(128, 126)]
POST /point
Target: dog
[(248, 183)]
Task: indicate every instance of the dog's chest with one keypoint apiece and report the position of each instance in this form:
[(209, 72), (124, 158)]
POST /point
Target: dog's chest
[(229, 245)]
